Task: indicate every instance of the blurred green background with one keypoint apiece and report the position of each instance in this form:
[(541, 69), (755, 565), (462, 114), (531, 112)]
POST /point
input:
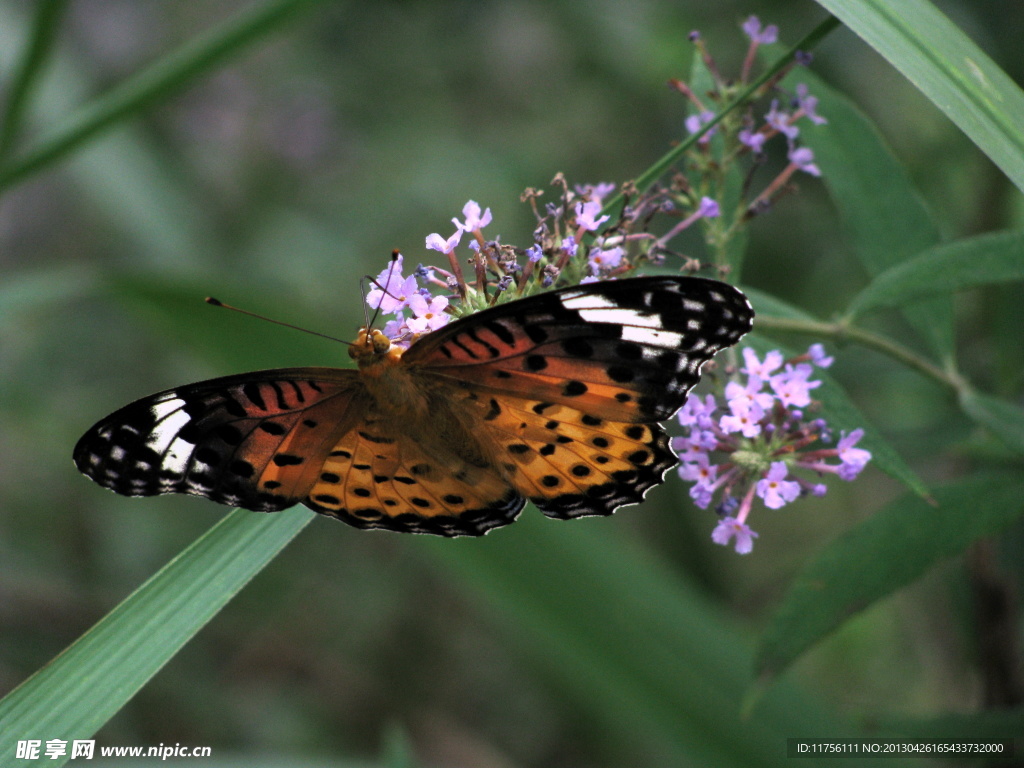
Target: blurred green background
[(280, 180)]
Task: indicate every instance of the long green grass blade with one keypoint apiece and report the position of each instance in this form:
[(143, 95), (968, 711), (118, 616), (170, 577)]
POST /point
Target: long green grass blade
[(958, 77), (166, 76), (29, 68), (76, 693)]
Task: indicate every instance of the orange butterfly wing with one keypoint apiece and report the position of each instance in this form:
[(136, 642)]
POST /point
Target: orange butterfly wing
[(571, 384)]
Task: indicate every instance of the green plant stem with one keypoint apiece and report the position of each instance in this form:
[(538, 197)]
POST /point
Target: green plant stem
[(163, 78), (30, 66), (841, 332)]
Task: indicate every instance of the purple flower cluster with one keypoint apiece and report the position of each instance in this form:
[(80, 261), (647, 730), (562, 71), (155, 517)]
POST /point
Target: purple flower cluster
[(573, 240), (745, 131), (751, 445)]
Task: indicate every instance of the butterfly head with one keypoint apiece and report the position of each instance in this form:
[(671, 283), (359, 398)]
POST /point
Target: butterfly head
[(372, 346)]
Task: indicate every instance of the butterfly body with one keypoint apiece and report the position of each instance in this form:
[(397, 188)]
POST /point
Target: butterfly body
[(554, 399)]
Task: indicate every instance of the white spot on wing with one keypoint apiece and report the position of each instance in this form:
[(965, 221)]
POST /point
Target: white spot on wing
[(161, 408), (693, 305), (659, 338), (167, 430), (176, 457), (581, 300)]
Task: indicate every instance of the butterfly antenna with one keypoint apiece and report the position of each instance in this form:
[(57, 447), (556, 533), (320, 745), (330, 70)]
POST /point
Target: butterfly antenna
[(218, 303)]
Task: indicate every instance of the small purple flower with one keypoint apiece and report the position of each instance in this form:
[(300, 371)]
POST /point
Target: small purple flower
[(745, 418), (569, 245), (817, 354), (596, 192), (803, 158), (697, 412), (792, 386), (474, 220), (393, 291), (395, 329), (774, 489), (853, 459), (429, 314), (437, 243), (766, 36), (694, 123), (729, 527), (708, 208), (753, 139), (604, 260), (808, 104), (754, 367), (750, 393), (779, 119), (587, 215), (534, 253)]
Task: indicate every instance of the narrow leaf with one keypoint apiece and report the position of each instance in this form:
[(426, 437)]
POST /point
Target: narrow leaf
[(997, 257), (1004, 419), (945, 65), (165, 77), (882, 555), (76, 693), (29, 68)]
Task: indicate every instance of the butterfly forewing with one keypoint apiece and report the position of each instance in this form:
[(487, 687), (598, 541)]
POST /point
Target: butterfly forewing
[(626, 350), (248, 441)]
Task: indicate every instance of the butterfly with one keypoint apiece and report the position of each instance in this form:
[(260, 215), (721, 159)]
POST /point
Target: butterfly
[(554, 398)]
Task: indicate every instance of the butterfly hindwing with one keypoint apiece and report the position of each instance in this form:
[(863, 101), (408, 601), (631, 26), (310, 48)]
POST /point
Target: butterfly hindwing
[(623, 350), (570, 463), (379, 476), (252, 440)]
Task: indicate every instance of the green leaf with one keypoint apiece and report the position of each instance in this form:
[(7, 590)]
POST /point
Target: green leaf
[(887, 221), (882, 555), (76, 693), (997, 257), (948, 68), (837, 407), (1004, 419), (171, 74)]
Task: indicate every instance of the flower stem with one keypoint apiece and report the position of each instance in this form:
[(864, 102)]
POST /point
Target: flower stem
[(948, 377)]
